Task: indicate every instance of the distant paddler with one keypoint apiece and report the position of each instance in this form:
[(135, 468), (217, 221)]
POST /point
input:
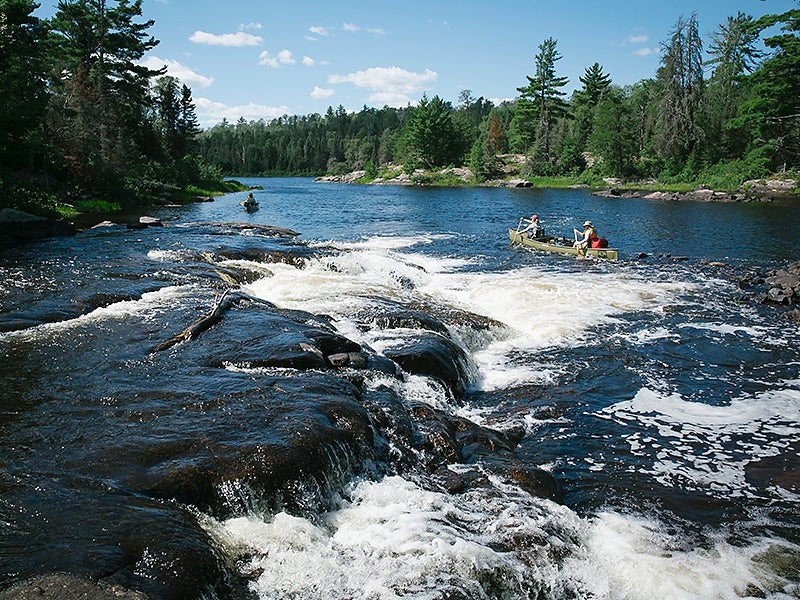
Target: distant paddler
[(249, 204)]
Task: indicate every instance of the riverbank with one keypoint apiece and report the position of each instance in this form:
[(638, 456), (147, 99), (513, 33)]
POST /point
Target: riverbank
[(43, 215), (754, 190)]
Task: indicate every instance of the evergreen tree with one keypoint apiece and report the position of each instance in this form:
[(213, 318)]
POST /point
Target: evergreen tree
[(680, 81), (774, 111), (595, 83), (187, 122), (433, 138), (545, 96), (495, 136), (614, 133), (733, 54), (22, 87), (100, 80)]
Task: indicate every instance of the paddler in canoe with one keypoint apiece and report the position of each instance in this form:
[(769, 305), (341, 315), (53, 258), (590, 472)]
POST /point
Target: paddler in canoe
[(587, 245), (534, 228)]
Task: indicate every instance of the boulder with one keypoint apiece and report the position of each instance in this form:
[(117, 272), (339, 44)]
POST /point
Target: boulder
[(17, 226), (518, 183), (434, 355)]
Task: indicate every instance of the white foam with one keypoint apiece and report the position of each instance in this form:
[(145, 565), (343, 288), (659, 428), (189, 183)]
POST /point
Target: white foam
[(704, 447), (636, 559), (393, 539), (539, 308)]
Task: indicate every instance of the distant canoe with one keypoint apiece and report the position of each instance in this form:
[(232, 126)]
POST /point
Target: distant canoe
[(250, 206), (546, 243)]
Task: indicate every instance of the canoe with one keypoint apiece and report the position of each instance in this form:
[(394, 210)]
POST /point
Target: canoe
[(549, 244), (250, 207)]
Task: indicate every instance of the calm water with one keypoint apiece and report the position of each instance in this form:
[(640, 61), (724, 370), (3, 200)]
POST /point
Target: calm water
[(665, 402)]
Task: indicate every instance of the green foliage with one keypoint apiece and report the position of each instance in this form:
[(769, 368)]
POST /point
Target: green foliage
[(433, 138)]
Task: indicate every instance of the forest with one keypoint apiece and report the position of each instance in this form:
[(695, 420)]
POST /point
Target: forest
[(83, 122), (718, 111)]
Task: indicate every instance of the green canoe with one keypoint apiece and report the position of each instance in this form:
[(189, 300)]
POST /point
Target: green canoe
[(549, 244)]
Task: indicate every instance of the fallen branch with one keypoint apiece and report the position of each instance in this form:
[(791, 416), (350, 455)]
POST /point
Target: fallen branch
[(222, 304)]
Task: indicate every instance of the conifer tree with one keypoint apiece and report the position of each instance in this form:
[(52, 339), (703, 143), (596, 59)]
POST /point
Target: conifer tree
[(680, 78), (774, 111), (22, 76), (545, 98)]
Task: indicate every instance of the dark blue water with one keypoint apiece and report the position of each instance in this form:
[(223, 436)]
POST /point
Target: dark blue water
[(663, 398), (746, 233)]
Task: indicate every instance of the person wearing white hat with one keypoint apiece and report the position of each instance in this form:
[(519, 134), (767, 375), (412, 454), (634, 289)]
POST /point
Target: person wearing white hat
[(588, 234)]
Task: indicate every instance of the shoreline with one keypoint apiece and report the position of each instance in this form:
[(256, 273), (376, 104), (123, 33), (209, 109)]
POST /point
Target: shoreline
[(756, 190)]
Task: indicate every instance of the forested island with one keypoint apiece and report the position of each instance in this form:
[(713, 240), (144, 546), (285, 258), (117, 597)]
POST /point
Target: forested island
[(84, 124)]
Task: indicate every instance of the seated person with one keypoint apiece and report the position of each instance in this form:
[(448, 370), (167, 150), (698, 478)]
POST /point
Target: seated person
[(586, 236), (534, 228)]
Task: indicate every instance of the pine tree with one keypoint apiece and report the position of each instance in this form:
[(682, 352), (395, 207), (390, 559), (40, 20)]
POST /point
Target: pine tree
[(774, 111), (22, 88), (595, 83), (733, 55), (681, 87), (98, 47), (544, 94)]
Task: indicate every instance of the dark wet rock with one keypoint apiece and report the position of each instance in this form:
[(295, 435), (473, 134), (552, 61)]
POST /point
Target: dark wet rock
[(355, 360), (432, 354), (385, 314), (17, 226), (783, 286), (295, 255), (438, 442), (62, 586), (316, 425), (450, 481), (536, 482)]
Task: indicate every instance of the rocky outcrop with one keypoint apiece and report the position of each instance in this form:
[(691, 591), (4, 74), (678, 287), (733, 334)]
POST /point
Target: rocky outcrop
[(17, 226), (783, 285), (763, 190), (698, 195)]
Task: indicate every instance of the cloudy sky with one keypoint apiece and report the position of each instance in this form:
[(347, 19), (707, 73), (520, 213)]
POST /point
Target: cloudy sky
[(264, 58)]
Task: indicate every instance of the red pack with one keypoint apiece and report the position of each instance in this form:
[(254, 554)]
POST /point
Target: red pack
[(599, 243)]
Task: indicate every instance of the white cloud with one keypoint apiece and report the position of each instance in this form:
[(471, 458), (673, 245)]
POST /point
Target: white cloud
[(283, 58), (179, 70), (644, 51), (318, 30), (308, 61), (210, 113), (390, 85), (250, 26), (238, 40), (350, 27), (376, 30), (320, 93), (638, 39)]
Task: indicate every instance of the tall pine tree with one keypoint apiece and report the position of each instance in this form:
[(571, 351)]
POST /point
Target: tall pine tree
[(542, 100)]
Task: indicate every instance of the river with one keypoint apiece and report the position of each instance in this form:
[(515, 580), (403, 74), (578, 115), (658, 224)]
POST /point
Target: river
[(660, 396)]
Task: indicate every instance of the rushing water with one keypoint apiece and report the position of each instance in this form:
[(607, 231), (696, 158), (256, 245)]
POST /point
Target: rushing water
[(664, 401)]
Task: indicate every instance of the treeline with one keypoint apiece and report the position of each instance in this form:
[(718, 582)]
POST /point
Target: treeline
[(80, 117), (720, 112)]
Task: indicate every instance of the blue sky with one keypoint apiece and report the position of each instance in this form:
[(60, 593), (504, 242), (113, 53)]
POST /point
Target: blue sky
[(263, 59)]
